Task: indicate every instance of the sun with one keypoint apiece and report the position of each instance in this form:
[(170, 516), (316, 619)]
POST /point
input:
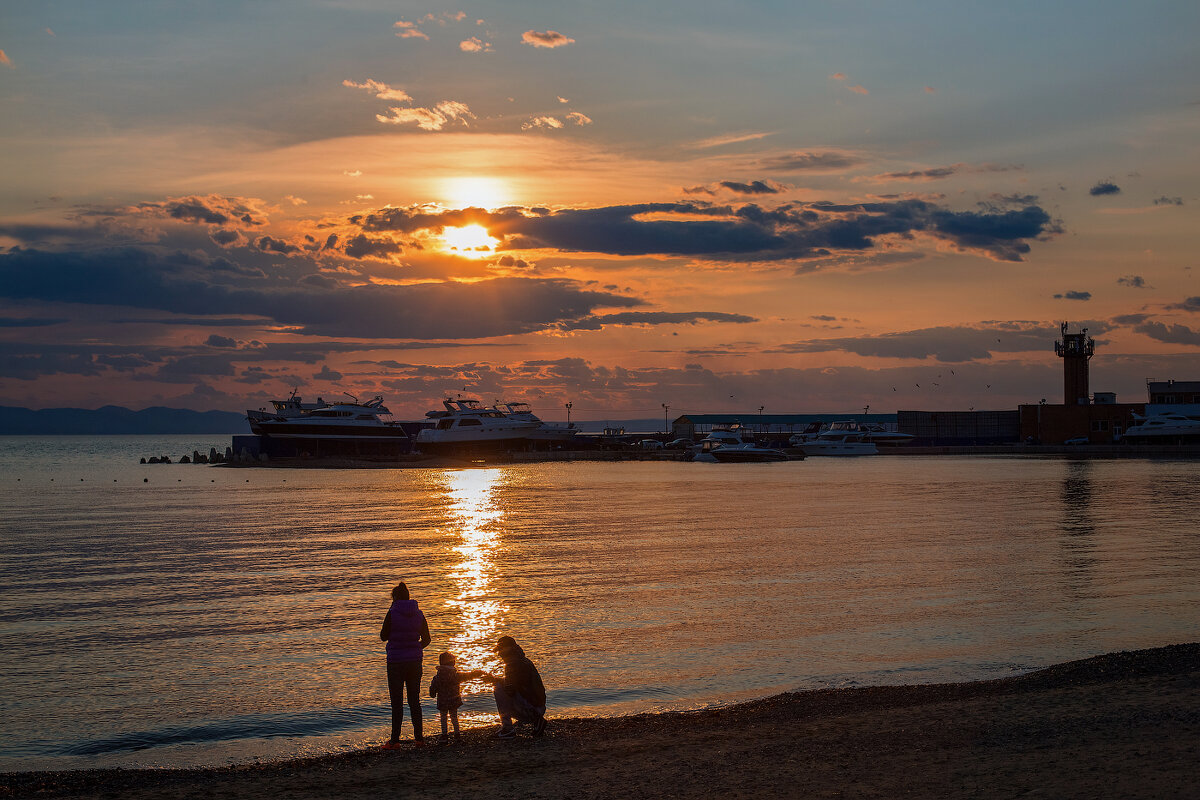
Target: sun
[(472, 241), (477, 192)]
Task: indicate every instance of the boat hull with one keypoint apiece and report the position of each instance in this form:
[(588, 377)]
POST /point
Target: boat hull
[(747, 456)]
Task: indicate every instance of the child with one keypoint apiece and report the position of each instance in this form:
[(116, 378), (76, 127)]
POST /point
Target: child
[(446, 686)]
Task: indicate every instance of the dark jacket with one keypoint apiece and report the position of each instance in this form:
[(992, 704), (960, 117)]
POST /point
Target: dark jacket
[(521, 677), (405, 631), (446, 686)]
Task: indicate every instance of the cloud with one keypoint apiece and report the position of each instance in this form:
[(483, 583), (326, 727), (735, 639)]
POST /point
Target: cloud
[(594, 322), (216, 340), (838, 76), (1133, 281), (362, 246), (141, 277), (548, 39), (724, 139), (576, 118), (1103, 188), (408, 30), (429, 119), (5, 60), (1073, 296), (746, 233), (1168, 201), (31, 322), (810, 162), (930, 90), (949, 344), (269, 244), (327, 374), (938, 173), (755, 187), (474, 45), (352, 173), (547, 123), (380, 90), (1175, 334), (857, 89), (1190, 304), (297, 201)]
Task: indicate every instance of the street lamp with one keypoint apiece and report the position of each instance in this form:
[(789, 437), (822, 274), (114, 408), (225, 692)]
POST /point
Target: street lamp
[(568, 405), (666, 408), (760, 425)]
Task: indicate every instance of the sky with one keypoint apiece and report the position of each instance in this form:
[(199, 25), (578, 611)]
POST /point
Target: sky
[(801, 206)]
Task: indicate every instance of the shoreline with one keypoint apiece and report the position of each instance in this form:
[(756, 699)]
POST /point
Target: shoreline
[(1124, 724)]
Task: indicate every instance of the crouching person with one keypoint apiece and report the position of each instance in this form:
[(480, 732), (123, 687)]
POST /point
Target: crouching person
[(520, 694)]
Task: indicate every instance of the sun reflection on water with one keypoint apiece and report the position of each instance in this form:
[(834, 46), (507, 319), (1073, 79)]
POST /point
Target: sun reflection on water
[(478, 528)]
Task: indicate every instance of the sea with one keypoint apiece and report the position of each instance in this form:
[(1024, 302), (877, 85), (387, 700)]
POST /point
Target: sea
[(187, 615)]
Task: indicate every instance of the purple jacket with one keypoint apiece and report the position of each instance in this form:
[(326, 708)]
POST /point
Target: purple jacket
[(403, 626)]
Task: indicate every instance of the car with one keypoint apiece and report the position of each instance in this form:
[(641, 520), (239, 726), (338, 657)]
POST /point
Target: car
[(680, 444), (1078, 440), (650, 444)]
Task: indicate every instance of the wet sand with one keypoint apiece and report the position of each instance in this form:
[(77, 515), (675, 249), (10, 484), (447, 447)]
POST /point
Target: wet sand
[(1124, 725)]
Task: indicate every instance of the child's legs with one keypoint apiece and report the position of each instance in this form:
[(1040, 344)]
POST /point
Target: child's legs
[(444, 712), (454, 717)]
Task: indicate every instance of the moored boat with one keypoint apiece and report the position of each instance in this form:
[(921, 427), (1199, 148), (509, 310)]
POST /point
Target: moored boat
[(467, 426), (352, 420)]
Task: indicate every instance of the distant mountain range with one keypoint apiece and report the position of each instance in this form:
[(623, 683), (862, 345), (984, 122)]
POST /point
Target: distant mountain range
[(117, 420)]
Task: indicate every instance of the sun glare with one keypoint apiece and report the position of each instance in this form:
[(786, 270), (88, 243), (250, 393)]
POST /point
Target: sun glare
[(472, 241), (474, 192)]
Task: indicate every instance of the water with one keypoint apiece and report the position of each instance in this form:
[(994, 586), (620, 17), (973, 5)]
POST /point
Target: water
[(183, 615)]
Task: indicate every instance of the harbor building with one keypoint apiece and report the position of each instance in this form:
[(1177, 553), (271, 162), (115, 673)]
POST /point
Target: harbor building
[(1083, 417)]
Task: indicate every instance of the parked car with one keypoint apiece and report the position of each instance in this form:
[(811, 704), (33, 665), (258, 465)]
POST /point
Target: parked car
[(680, 444), (1078, 440), (650, 444)]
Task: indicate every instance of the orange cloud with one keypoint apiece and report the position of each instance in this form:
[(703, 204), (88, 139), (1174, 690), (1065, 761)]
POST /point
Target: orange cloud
[(548, 39), (4, 59), (380, 90), (429, 119), (578, 118), (408, 30), (858, 89)]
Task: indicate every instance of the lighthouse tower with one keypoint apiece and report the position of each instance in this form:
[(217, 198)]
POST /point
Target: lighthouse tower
[(1075, 350)]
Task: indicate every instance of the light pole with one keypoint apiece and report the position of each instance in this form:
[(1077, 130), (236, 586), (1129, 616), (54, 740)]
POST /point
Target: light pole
[(666, 408), (760, 424), (568, 405)]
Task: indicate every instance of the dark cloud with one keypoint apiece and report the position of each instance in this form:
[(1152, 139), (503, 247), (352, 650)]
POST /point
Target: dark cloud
[(654, 318), (193, 210), (747, 233), (947, 344), (362, 246), (1174, 334), (31, 322), (1073, 296), (1133, 281), (929, 174), (1103, 188), (327, 374), (269, 244), (810, 162), (1190, 304), (211, 322), (755, 187), (1130, 319), (225, 237), (221, 341), (143, 278), (1168, 201)]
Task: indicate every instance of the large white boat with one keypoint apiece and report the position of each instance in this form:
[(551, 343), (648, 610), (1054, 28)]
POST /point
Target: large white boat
[(869, 431), (1170, 427), (351, 420), (468, 426), (840, 443), (735, 444), (545, 431), (293, 406)]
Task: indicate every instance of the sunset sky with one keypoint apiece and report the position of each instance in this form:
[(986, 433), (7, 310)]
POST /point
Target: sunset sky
[(806, 206)]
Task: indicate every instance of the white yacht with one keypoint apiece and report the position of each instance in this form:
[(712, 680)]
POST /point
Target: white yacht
[(545, 431), (869, 431), (352, 420), (1170, 427), (840, 443), (293, 406), (467, 425), (734, 444)]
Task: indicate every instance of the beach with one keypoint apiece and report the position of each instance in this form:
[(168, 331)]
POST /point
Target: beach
[(1119, 725)]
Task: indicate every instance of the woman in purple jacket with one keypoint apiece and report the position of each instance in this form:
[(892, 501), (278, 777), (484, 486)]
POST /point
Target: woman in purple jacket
[(407, 635)]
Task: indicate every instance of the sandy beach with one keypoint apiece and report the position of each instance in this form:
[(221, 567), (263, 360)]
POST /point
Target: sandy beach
[(1118, 725)]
